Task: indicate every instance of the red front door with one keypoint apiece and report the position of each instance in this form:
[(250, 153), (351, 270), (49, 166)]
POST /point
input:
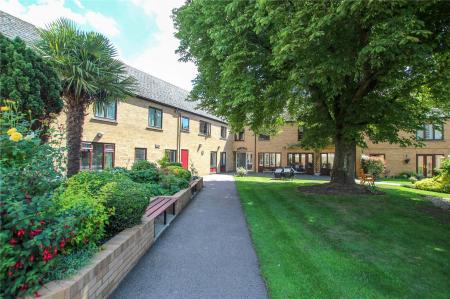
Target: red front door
[(185, 158)]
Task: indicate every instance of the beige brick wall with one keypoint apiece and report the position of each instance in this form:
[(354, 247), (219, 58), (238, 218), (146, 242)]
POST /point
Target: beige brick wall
[(130, 131), (283, 142), (395, 155)]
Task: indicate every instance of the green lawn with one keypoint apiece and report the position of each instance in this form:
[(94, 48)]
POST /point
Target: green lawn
[(385, 246), (394, 180)]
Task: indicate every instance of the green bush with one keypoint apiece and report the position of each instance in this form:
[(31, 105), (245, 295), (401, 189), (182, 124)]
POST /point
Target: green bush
[(153, 189), (143, 165), (173, 184), (440, 182), (127, 200), (91, 214), (373, 166), (144, 175), (174, 164), (179, 172), (241, 171), (406, 174), (92, 181)]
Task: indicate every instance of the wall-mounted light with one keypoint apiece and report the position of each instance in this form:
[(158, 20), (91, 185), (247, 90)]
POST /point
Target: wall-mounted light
[(99, 134), (157, 146)]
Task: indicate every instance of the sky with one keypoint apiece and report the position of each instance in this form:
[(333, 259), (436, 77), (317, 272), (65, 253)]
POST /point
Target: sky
[(141, 30)]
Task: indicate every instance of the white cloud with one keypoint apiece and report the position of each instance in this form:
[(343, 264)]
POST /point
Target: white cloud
[(160, 58), (46, 11)]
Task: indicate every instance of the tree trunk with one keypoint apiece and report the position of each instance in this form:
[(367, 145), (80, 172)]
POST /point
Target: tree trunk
[(74, 126), (344, 162)]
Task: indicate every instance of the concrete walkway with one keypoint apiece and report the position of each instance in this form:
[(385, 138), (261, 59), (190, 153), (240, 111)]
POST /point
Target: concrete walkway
[(205, 253)]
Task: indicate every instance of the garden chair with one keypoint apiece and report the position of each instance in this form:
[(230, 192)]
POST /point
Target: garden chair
[(278, 173), (288, 173), (363, 178)]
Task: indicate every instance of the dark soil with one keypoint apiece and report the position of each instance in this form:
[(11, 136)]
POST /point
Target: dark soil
[(338, 189)]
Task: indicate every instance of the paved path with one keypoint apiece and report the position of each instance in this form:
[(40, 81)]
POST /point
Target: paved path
[(205, 253)]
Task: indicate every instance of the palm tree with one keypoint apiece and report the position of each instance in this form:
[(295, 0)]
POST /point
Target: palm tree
[(90, 72)]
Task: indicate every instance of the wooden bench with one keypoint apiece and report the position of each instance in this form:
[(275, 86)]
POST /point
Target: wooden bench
[(160, 206), (363, 178)]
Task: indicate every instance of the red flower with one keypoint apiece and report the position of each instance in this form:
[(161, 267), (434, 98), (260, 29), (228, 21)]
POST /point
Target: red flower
[(23, 287), (55, 251), (37, 295), (35, 232), (42, 222), (47, 255), (66, 226), (20, 233), (13, 241), (18, 265), (31, 258), (10, 273), (62, 243)]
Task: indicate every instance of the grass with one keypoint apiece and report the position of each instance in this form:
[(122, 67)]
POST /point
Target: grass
[(385, 246), (395, 180)]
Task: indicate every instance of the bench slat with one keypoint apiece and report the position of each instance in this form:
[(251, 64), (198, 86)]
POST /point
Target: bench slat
[(162, 206), (156, 202)]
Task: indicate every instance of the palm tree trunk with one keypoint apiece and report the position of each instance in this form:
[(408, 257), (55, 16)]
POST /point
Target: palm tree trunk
[(74, 126)]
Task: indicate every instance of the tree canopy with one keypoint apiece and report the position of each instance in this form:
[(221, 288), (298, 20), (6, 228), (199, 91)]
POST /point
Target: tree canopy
[(28, 80), (345, 70)]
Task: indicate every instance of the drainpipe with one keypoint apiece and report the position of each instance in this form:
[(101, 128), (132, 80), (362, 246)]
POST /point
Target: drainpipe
[(255, 169), (178, 135)]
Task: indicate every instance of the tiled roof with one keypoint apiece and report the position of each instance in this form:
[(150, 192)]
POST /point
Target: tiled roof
[(148, 86)]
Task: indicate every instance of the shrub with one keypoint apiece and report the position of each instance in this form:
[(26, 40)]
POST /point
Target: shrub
[(145, 175), (31, 234), (164, 162), (179, 172), (412, 179), (373, 166), (143, 165), (91, 181), (173, 184), (127, 200), (91, 214), (174, 164), (407, 174), (241, 171), (153, 189), (440, 182)]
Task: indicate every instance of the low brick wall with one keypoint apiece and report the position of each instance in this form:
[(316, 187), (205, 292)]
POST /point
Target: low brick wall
[(119, 256)]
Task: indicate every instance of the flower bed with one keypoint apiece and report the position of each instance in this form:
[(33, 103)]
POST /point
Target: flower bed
[(52, 226), (119, 256)]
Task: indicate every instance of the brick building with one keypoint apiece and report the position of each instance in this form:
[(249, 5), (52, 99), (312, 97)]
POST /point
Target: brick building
[(158, 120)]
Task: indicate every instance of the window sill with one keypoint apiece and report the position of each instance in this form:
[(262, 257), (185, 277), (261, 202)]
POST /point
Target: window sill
[(185, 131), (104, 120), (239, 140), (221, 138), (203, 135), (154, 129)]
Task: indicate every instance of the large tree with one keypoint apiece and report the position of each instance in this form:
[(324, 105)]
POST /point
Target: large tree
[(90, 72), (30, 81), (345, 70)]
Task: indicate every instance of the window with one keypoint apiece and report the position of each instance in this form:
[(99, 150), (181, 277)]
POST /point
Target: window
[(223, 132), (300, 133), (426, 165), (213, 160), (154, 118), (239, 136), (140, 154), (301, 161), (263, 137), (269, 159), (326, 160), (430, 132), (205, 128), (172, 155), (185, 123), (106, 110), (97, 156)]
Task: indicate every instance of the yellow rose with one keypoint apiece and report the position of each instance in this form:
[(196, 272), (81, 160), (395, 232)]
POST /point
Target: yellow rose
[(4, 108), (11, 131), (16, 137)]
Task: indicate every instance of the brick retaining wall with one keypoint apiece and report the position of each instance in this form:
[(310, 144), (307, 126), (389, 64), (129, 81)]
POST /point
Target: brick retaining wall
[(119, 256)]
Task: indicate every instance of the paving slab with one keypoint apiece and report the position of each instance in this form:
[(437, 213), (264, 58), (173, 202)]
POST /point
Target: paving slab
[(205, 253)]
